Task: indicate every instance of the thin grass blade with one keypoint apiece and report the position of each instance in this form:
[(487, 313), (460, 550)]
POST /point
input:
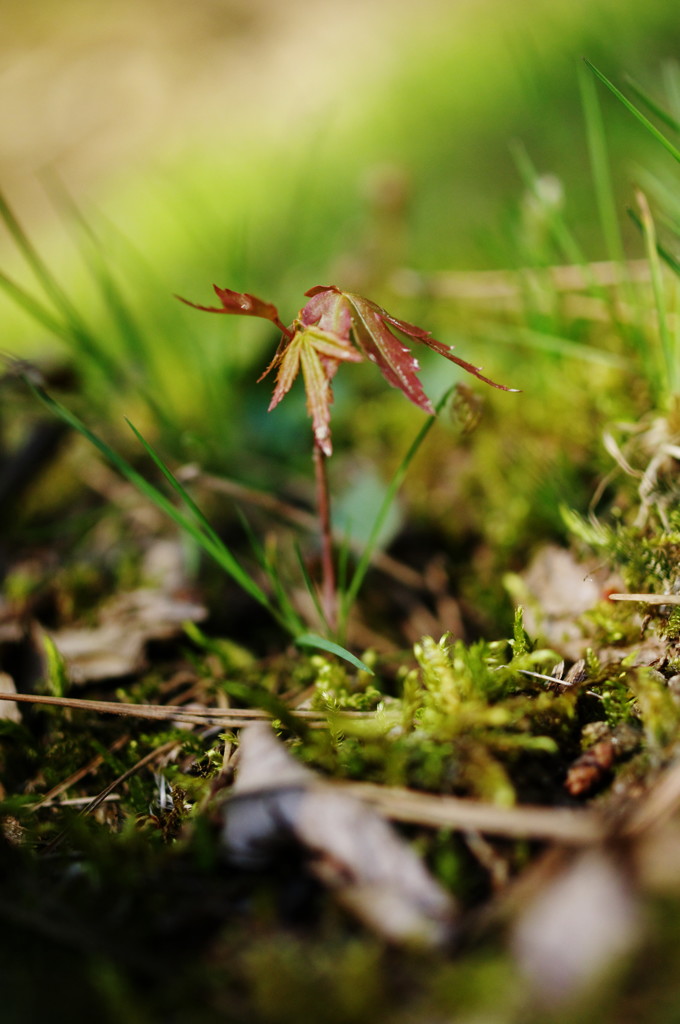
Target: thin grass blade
[(670, 380), (564, 240), (42, 274), (175, 484), (599, 163), (207, 541), (73, 330), (33, 307), (312, 590), (669, 259), (636, 112), (139, 354), (655, 108), (320, 643), (554, 344), (342, 560), (349, 595), (294, 623), (130, 333)]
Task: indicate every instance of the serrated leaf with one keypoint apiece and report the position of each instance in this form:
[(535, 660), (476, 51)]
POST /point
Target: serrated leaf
[(318, 341), (238, 304), (334, 327)]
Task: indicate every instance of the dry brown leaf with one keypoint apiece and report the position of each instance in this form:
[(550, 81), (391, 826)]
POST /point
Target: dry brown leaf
[(370, 869), (576, 927), (9, 710), (116, 647), (554, 591)]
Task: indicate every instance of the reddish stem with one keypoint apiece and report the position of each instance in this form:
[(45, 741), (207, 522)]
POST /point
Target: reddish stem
[(290, 334), (328, 592)]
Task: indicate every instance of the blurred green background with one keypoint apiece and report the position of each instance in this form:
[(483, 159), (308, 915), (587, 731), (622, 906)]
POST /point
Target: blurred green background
[(269, 147), (254, 143), (236, 133)]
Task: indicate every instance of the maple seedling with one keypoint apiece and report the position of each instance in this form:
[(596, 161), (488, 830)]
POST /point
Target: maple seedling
[(337, 327)]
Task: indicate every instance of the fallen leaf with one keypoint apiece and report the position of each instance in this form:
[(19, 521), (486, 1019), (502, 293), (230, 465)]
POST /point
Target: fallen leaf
[(117, 645), (372, 872), (334, 327), (554, 592), (9, 710), (577, 927)]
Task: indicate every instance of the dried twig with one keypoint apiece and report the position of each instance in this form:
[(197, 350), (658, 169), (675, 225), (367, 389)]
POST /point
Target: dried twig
[(230, 718), (660, 803), (77, 801), (96, 801), (153, 755), (91, 766), (557, 824)]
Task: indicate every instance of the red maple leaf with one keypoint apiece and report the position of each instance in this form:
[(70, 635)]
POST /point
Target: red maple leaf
[(317, 342), (240, 304), (334, 327)]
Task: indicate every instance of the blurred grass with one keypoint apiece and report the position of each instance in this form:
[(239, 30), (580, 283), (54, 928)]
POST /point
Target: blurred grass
[(455, 83), (408, 159)]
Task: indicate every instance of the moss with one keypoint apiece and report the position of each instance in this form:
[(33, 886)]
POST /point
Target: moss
[(671, 628), (465, 720), (285, 980)]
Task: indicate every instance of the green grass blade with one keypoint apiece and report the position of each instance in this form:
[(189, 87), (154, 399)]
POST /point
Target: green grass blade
[(295, 624), (670, 70), (563, 238), (207, 541), (312, 590), (669, 259), (73, 329), (655, 108), (319, 642), (651, 128), (342, 559), (671, 358), (37, 265), (131, 335), (349, 595), (179, 489), (599, 164), (135, 344), (554, 344), (33, 307)]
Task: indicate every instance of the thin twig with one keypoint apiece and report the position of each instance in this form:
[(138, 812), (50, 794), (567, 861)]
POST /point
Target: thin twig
[(91, 766), (557, 824), (548, 824), (94, 803), (75, 801), (98, 760), (230, 718), (153, 755), (660, 803)]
